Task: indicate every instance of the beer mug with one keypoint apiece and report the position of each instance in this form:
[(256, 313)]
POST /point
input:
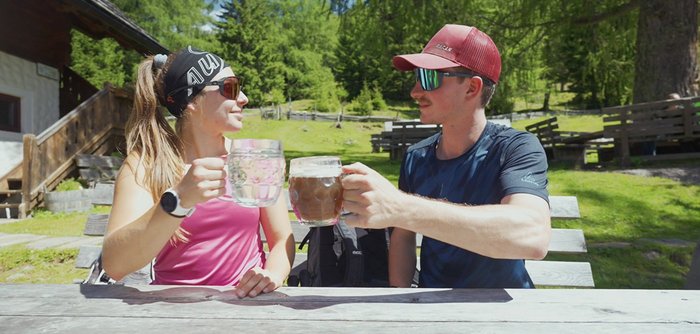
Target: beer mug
[(256, 171), (315, 191)]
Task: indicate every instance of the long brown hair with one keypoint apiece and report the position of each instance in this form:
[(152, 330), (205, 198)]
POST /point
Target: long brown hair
[(150, 136)]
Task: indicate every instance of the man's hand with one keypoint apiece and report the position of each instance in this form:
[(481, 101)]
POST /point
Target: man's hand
[(257, 281), (373, 201)]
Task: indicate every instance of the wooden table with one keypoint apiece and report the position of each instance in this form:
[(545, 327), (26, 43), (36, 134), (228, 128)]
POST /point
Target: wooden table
[(182, 309)]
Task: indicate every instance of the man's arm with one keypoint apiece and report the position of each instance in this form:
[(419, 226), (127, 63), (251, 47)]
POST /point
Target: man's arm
[(518, 228), (402, 258)]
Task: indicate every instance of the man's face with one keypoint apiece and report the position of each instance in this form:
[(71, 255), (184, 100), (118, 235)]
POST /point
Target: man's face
[(443, 103)]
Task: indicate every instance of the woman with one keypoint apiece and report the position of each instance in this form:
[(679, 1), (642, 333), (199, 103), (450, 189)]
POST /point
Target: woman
[(166, 202)]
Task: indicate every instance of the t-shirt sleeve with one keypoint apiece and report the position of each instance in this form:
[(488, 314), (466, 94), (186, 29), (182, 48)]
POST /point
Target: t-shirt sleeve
[(403, 183), (524, 167)]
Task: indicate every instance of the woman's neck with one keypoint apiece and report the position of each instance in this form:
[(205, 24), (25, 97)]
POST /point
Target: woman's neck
[(200, 144)]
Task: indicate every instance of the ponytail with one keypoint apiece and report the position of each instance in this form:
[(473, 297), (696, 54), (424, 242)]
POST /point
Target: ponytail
[(150, 136)]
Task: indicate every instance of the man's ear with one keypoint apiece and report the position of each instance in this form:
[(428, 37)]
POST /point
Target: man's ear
[(476, 84)]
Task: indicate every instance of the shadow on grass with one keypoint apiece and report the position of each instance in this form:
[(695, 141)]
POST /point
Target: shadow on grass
[(628, 218)]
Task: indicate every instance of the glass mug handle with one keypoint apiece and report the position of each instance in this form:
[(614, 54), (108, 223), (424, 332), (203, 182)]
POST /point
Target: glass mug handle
[(227, 182)]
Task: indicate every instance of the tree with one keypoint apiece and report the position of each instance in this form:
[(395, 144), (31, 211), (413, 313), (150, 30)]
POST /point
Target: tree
[(667, 46), (97, 61), (307, 45), (174, 24), (596, 57), (249, 40)]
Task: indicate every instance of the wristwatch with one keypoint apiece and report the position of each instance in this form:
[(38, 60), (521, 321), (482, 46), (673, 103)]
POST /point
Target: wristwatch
[(170, 202)]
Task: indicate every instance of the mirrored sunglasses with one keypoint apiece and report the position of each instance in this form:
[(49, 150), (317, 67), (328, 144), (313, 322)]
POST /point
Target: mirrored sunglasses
[(432, 79)]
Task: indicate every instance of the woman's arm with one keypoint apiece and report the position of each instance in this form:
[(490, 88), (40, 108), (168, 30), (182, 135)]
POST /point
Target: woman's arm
[(138, 228), (280, 241)]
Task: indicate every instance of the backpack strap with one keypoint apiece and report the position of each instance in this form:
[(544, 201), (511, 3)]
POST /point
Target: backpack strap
[(352, 255)]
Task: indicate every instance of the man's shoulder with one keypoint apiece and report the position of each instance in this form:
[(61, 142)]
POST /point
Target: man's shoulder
[(506, 135), (423, 144)]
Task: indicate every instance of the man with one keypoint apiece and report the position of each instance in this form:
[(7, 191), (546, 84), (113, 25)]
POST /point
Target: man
[(476, 190)]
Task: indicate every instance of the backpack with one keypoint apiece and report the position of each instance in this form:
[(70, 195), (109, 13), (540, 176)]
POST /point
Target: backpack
[(341, 255)]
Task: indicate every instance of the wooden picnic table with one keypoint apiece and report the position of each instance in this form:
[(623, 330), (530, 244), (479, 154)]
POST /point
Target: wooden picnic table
[(183, 309)]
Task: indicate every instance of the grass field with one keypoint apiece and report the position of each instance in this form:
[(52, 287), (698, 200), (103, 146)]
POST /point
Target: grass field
[(640, 230)]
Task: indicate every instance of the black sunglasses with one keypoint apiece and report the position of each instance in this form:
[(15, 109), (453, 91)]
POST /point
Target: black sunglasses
[(229, 87)]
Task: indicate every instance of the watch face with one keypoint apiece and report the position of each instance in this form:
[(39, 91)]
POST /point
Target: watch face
[(168, 201)]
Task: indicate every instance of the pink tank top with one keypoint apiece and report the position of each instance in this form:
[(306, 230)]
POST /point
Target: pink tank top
[(224, 243)]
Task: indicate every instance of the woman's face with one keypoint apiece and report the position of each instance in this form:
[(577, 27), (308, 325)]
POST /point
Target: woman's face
[(217, 113)]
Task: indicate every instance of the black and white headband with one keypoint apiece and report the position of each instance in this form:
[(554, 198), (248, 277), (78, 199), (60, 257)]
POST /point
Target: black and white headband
[(191, 68)]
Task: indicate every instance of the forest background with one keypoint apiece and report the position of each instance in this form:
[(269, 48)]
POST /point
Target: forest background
[(337, 53)]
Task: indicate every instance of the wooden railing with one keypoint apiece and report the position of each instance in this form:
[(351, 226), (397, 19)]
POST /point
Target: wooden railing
[(90, 128)]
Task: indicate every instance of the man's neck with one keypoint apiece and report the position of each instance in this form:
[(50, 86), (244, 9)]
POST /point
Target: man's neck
[(458, 137)]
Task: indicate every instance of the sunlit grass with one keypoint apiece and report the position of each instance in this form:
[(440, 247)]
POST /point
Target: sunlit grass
[(19, 264), (44, 222)]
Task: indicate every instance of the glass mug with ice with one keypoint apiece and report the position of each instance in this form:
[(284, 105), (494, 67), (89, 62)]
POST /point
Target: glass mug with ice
[(256, 171), (315, 190)]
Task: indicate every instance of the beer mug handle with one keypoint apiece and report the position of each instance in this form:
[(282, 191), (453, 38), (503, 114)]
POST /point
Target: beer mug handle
[(227, 194)]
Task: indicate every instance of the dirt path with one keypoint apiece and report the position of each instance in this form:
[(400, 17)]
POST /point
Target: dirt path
[(685, 175)]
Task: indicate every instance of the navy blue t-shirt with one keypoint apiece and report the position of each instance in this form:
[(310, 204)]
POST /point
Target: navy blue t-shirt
[(503, 161)]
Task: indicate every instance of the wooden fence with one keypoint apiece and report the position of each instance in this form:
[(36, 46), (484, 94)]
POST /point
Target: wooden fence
[(95, 126), (317, 116)]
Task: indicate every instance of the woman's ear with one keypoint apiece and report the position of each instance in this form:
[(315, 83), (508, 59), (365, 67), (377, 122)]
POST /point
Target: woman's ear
[(194, 105)]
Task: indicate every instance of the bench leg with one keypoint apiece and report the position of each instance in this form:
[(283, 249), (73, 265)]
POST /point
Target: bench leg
[(693, 279)]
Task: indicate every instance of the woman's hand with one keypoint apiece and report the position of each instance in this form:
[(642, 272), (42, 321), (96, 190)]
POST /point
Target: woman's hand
[(257, 280), (204, 180)]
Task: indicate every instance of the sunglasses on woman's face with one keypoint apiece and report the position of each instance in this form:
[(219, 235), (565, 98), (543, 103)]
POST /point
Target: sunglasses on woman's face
[(229, 87), (432, 79)]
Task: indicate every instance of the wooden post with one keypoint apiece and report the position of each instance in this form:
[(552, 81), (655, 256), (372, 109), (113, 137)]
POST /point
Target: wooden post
[(625, 140), (687, 120), (30, 146)]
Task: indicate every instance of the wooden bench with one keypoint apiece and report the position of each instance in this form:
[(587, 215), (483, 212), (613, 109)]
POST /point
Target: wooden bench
[(693, 279), (400, 135), (570, 146), (672, 126), (98, 168)]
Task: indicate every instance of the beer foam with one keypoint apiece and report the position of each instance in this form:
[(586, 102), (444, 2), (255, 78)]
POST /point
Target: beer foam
[(316, 171)]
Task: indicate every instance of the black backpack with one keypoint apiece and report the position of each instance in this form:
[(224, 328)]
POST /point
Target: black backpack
[(340, 255)]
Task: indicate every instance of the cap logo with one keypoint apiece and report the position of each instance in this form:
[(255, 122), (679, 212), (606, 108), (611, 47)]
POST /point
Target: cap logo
[(443, 47)]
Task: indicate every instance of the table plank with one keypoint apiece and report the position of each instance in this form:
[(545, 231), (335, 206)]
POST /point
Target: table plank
[(565, 207), (55, 324), (65, 308)]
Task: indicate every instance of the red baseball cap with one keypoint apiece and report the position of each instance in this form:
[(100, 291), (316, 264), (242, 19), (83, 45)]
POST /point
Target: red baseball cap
[(456, 45)]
